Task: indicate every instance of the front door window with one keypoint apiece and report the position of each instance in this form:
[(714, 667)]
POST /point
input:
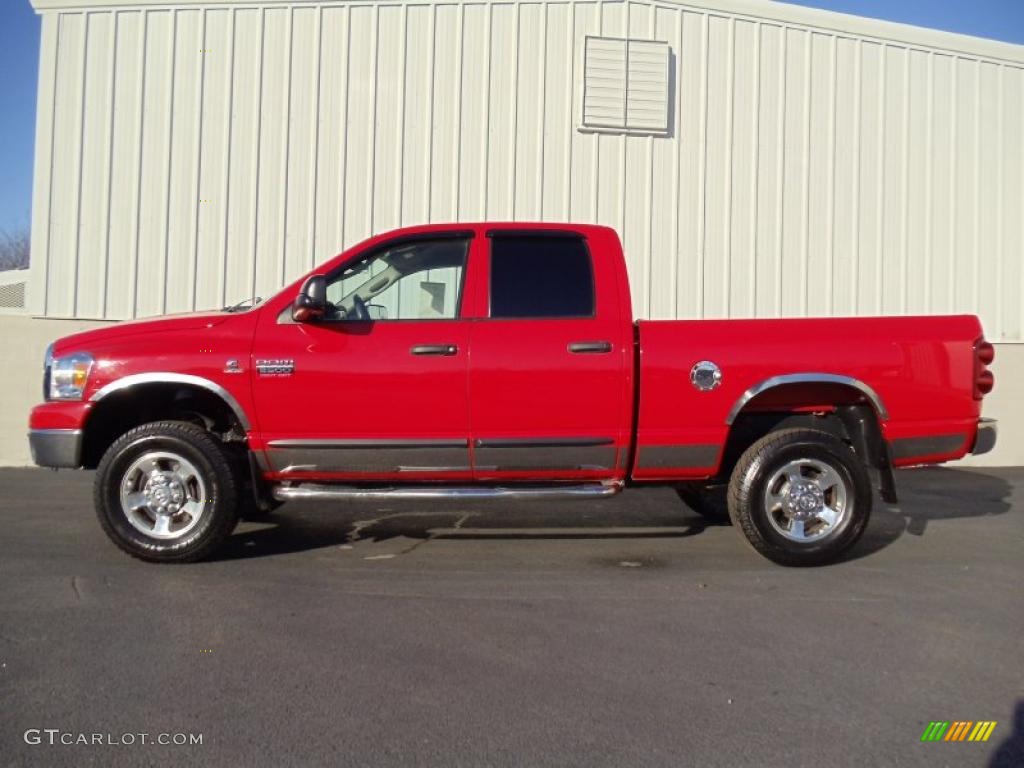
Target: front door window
[(411, 281)]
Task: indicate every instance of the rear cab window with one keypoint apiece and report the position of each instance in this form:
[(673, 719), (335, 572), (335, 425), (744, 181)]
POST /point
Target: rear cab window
[(540, 276)]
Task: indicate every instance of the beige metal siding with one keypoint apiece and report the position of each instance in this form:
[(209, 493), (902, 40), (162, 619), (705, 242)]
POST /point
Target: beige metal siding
[(190, 155)]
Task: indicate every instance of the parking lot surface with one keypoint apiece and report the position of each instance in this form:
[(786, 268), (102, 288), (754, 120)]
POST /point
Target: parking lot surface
[(591, 633)]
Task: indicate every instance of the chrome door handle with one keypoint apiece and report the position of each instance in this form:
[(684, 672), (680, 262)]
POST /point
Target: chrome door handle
[(434, 349), (590, 347)]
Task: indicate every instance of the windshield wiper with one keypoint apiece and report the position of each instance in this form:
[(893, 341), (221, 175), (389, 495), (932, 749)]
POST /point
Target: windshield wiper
[(243, 305)]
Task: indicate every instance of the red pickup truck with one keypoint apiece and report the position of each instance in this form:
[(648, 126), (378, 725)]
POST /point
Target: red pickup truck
[(502, 360)]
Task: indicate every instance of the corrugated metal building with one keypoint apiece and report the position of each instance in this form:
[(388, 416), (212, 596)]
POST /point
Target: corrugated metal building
[(758, 159)]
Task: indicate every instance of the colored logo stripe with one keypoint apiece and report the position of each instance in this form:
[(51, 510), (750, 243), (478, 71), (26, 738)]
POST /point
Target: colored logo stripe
[(958, 730), (982, 731)]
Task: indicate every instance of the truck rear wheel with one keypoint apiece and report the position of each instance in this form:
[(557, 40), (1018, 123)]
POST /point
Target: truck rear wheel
[(800, 496), (165, 492)]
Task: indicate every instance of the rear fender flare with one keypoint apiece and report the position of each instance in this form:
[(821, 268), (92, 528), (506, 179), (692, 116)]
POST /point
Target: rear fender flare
[(807, 378)]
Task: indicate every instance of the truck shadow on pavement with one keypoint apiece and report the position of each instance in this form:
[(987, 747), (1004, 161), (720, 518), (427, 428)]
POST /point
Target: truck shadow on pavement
[(648, 514), (927, 495), (932, 494), (1010, 752)]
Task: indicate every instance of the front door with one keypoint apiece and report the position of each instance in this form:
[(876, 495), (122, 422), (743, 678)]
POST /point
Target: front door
[(549, 380), (377, 389)]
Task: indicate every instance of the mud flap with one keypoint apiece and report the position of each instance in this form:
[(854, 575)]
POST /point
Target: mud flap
[(862, 426), (261, 493), (886, 480)]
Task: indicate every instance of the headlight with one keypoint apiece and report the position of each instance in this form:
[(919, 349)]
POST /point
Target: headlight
[(65, 377)]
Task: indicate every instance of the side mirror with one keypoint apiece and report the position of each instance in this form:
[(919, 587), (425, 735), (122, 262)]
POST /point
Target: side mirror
[(311, 302)]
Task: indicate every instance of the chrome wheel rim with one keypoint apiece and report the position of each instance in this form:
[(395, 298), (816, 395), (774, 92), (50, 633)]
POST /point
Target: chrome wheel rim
[(163, 495), (806, 500)]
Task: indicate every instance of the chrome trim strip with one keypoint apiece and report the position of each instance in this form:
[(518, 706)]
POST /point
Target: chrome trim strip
[(677, 456), (369, 443), (985, 440), (57, 448), (807, 378), (166, 377), (911, 447), (543, 442), (328, 492), (435, 469)]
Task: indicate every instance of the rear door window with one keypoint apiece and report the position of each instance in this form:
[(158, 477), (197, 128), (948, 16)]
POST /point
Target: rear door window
[(541, 277)]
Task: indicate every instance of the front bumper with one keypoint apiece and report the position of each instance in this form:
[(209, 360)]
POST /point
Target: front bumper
[(56, 447), (985, 440)]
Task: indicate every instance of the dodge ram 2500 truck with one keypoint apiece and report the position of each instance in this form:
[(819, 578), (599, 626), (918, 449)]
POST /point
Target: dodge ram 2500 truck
[(502, 360)]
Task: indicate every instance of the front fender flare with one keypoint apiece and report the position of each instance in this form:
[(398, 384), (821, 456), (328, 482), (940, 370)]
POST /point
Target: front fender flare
[(162, 377)]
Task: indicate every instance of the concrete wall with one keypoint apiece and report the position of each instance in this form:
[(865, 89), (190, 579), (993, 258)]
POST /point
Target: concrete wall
[(23, 341)]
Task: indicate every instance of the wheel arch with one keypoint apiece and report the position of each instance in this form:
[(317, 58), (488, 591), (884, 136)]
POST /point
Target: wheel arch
[(855, 415), (827, 383), (142, 379), (133, 400)]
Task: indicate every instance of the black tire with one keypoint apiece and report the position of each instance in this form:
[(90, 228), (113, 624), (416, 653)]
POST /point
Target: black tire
[(761, 462), (709, 501), (218, 515)]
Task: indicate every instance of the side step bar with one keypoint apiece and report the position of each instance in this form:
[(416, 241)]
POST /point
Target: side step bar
[(322, 492)]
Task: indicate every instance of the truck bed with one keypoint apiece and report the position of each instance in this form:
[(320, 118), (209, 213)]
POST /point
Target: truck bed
[(920, 371)]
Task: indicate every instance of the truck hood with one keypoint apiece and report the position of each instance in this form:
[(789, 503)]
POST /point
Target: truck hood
[(98, 337)]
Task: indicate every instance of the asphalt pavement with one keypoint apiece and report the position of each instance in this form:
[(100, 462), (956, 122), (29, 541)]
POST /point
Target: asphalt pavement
[(593, 633)]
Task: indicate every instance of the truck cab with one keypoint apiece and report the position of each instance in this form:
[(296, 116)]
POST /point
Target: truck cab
[(450, 355)]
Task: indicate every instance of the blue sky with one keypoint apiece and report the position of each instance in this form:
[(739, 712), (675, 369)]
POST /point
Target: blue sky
[(19, 60)]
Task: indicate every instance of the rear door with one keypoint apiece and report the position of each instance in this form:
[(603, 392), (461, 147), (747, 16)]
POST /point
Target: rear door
[(548, 375)]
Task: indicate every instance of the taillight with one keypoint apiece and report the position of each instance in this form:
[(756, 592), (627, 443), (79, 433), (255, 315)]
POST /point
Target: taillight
[(984, 381), (986, 352)]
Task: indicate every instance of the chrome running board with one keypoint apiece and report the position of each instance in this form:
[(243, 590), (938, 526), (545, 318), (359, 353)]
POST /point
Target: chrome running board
[(323, 492)]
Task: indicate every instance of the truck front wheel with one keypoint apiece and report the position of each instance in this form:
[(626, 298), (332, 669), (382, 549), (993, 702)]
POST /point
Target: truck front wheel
[(800, 496), (165, 492)]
